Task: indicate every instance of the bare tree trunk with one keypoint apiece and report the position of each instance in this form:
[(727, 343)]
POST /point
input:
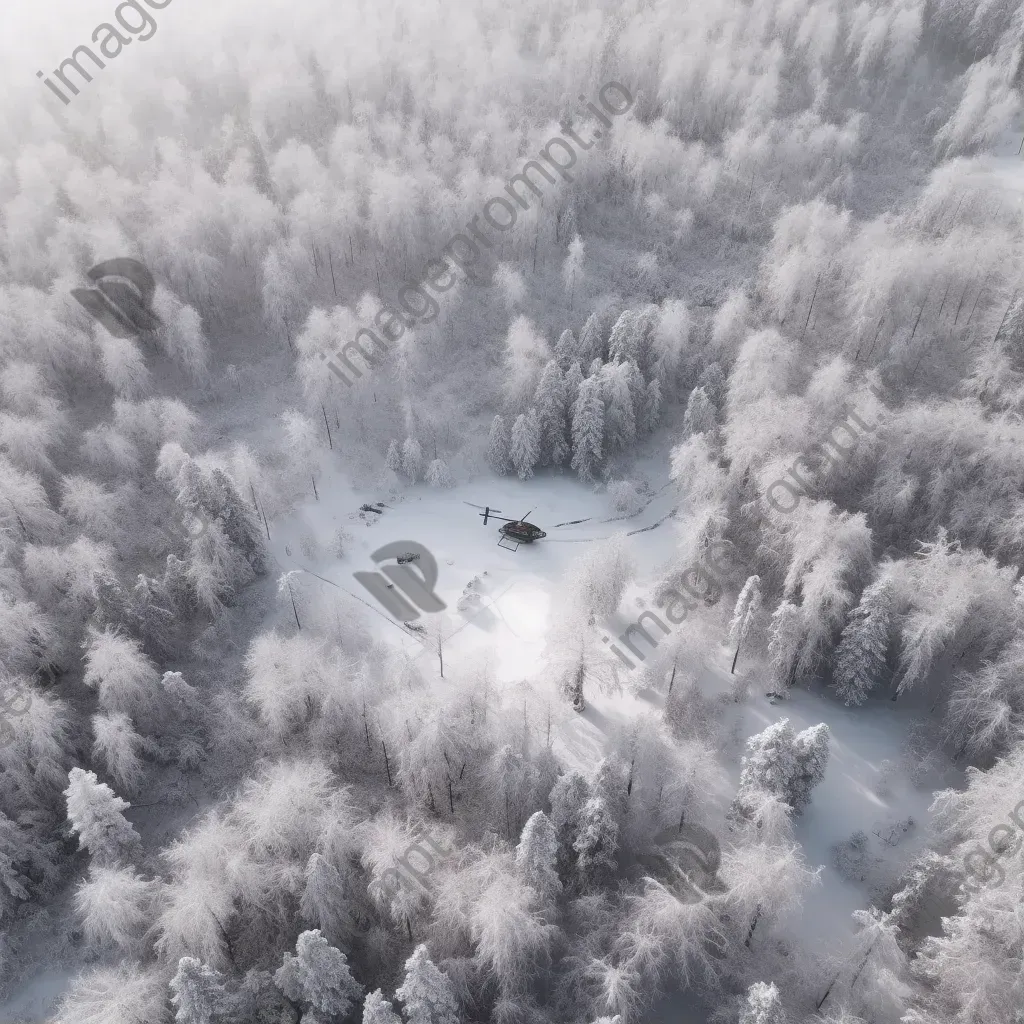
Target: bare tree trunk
[(330, 439), (753, 925)]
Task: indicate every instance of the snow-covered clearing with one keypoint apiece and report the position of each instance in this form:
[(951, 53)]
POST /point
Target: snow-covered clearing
[(509, 630)]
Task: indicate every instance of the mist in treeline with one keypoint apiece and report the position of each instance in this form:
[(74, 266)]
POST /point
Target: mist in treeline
[(789, 273)]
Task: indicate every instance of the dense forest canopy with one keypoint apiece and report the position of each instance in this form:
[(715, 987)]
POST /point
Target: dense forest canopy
[(785, 274)]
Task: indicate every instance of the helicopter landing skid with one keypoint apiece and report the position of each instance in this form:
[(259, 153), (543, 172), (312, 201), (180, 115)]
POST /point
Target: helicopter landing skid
[(502, 543)]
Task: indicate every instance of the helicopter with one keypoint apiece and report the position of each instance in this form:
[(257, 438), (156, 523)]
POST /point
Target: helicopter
[(518, 531)]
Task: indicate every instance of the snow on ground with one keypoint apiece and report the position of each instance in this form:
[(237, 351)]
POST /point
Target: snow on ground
[(510, 625)]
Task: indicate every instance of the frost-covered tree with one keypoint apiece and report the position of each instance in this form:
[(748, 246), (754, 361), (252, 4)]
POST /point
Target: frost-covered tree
[(126, 994), (550, 406), (378, 1009), (572, 268), (596, 843), (324, 901), (537, 855), (412, 460), (115, 907), (568, 798), (700, 416), (116, 746), (393, 459), (785, 636), (318, 976), (588, 429), (525, 444), (426, 994), (96, 814), (619, 405), (117, 668), (748, 604), (597, 579), (499, 443), (198, 993), (768, 766), (864, 645), (566, 350), (763, 1005), (438, 474), (650, 412), (811, 750)]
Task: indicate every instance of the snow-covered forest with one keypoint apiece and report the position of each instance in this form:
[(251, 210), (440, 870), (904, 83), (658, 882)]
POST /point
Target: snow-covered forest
[(756, 352)]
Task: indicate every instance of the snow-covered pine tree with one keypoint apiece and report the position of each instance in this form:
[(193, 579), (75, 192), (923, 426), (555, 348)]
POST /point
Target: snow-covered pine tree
[(499, 442), (318, 976), (651, 411), (569, 796), (588, 429), (550, 406), (861, 657), (566, 349), (571, 389), (596, 843), (610, 784), (700, 416), (768, 766), (324, 903), (378, 1009), (591, 341), (713, 383), (785, 637), (412, 460), (96, 813), (198, 993), (426, 994), (438, 474), (393, 459), (525, 448), (811, 751), (620, 417), (748, 604), (623, 343), (763, 1005), (572, 268), (537, 855)]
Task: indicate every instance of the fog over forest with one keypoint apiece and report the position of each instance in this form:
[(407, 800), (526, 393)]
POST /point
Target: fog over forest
[(512, 513)]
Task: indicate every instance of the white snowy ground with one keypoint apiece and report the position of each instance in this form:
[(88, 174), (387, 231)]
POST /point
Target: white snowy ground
[(520, 587)]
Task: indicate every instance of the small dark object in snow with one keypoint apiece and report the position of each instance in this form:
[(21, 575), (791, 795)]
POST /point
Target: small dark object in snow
[(408, 556), (773, 696), (370, 508), (579, 704), (414, 627)]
